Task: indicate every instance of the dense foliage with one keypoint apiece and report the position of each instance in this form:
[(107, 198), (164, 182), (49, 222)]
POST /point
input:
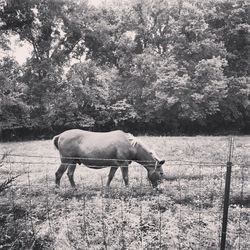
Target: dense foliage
[(159, 66)]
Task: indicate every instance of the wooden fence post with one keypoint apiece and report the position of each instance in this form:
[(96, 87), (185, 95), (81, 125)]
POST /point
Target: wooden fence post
[(226, 197)]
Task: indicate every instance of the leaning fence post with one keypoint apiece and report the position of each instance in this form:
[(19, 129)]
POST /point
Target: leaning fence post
[(226, 197)]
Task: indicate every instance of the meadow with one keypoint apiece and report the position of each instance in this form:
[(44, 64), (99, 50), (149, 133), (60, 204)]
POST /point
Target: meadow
[(185, 214)]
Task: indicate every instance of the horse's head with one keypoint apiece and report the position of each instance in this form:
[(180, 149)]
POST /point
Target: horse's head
[(155, 172), (151, 162)]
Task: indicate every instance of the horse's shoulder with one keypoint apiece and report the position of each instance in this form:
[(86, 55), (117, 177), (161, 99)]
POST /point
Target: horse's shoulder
[(118, 131)]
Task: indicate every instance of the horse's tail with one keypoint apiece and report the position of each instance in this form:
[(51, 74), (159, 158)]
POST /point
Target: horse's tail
[(55, 141)]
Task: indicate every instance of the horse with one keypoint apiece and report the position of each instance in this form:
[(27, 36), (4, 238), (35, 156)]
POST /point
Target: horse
[(105, 149)]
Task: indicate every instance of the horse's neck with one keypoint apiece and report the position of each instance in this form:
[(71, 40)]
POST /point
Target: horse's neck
[(143, 154)]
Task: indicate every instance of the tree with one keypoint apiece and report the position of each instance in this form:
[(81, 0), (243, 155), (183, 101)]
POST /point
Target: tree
[(13, 109), (52, 28), (231, 24), (152, 63), (84, 96)]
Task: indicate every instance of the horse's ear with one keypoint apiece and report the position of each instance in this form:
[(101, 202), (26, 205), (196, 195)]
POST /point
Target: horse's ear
[(161, 162)]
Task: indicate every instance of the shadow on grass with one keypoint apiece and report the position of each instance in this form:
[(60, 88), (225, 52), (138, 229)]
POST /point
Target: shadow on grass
[(110, 193), (192, 177), (184, 177), (239, 200)]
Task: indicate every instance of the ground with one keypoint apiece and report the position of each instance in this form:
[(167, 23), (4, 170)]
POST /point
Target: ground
[(185, 214)]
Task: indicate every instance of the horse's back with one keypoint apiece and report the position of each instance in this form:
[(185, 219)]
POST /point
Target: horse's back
[(87, 138)]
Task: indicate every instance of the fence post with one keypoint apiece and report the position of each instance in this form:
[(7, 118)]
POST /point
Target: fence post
[(226, 197)]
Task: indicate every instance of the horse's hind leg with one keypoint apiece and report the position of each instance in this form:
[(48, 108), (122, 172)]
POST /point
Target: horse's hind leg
[(125, 174), (60, 171), (111, 175), (70, 173)]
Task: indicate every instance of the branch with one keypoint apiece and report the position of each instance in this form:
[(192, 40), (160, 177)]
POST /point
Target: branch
[(6, 184)]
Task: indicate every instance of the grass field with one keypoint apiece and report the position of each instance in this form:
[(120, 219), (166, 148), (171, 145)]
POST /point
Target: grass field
[(185, 214)]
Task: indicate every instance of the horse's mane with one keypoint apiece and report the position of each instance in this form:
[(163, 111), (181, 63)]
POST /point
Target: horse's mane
[(134, 141)]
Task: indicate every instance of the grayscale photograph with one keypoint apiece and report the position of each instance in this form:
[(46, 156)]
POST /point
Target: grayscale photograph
[(124, 125)]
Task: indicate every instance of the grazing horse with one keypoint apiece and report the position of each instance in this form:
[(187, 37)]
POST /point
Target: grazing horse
[(104, 149)]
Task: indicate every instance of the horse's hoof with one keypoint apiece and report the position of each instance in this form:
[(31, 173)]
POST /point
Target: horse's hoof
[(57, 189), (158, 190), (106, 191), (126, 190)]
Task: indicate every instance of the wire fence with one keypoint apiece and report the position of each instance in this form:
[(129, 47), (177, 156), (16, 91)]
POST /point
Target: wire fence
[(186, 213)]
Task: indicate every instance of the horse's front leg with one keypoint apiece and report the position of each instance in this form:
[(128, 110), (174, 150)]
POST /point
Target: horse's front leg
[(124, 170), (70, 173), (111, 175)]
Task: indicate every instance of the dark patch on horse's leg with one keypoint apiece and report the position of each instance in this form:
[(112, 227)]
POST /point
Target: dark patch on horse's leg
[(111, 175), (60, 171), (125, 174), (70, 173)]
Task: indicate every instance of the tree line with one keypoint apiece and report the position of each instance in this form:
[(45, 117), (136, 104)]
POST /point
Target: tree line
[(166, 67)]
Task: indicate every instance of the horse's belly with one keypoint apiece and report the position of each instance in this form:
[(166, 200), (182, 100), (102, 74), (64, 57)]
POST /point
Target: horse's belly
[(97, 167), (103, 154), (101, 163)]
